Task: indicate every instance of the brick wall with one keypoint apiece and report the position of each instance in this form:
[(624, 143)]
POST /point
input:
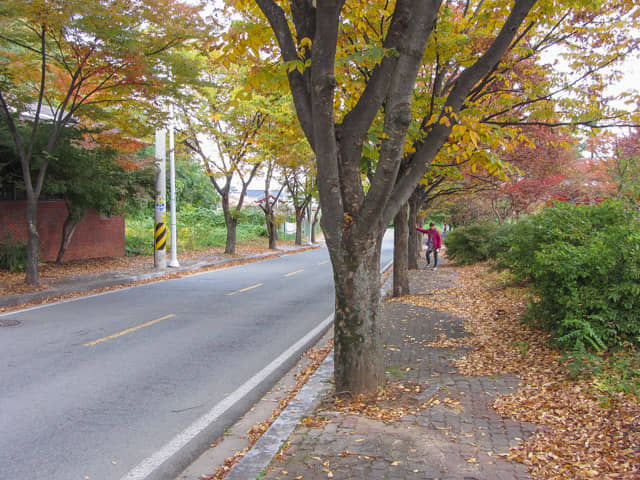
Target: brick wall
[(95, 236)]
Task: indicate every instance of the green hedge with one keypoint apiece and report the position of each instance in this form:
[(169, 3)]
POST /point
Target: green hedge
[(583, 263), (472, 243)]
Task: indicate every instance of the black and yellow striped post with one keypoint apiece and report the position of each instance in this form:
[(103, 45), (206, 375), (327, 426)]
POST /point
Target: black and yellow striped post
[(160, 236)]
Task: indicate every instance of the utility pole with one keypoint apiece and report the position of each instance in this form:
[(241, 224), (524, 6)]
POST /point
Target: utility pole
[(160, 230), (173, 262)]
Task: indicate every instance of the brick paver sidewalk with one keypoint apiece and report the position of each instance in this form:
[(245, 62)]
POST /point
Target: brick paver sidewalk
[(457, 437)]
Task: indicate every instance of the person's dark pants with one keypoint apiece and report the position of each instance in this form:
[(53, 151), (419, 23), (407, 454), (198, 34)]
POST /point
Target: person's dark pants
[(435, 256)]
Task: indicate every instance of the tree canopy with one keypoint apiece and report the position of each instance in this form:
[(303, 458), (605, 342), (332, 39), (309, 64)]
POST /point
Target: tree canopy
[(376, 81), (70, 62)]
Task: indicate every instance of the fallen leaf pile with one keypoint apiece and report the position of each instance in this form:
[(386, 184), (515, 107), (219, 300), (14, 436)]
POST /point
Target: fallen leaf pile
[(582, 437), (388, 404)]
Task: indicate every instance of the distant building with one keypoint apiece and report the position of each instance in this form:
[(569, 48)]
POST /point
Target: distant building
[(253, 197)]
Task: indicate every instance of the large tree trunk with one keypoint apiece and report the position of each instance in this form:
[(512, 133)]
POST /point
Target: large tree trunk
[(33, 241), (358, 348), (400, 256)]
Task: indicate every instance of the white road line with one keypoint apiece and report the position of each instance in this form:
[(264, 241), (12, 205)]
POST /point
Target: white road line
[(145, 468)]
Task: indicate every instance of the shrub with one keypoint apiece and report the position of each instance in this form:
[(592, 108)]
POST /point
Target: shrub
[(471, 244), (584, 266), (501, 241), (13, 255)]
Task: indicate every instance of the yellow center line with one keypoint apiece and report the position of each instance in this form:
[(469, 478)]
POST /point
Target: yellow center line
[(294, 273), (322, 263), (245, 289), (129, 330)]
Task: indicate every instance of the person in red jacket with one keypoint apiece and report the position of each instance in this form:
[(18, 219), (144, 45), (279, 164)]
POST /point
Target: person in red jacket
[(434, 243)]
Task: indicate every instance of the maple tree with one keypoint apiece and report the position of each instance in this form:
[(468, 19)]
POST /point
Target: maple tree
[(541, 167), (283, 147), (615, 166), (353, 67), (68, 62)]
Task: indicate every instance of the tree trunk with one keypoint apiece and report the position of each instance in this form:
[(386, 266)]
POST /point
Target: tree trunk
[(299, 219), (68, 229), (415, 238), (272, 230), (231, 223), (232, 226), (358, 347), (413, 242), (33, 241), (400, 254), (313, 225), (75, 214)]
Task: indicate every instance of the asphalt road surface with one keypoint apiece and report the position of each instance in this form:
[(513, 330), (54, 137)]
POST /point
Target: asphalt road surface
[(133, 384)]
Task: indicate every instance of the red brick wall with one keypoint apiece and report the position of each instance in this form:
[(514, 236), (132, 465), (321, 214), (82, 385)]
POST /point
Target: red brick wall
[(95, 236)]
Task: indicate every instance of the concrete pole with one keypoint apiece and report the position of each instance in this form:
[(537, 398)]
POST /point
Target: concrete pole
[(160, 230), (309, 222), (173, 262)]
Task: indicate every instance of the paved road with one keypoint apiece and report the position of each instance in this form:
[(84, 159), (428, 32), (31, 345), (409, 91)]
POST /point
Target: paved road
[(112, 386)]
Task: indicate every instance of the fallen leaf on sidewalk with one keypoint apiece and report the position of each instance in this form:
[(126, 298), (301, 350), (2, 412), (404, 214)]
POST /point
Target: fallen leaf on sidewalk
[(580, 438)]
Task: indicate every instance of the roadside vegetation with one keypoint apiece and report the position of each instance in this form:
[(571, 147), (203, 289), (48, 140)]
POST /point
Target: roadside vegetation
[(198, 228), (581, 269)]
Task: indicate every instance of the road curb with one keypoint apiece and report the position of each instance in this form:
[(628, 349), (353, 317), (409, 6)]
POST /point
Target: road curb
[(270, 443)]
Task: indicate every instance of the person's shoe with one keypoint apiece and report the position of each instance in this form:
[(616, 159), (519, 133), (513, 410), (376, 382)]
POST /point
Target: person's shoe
[(435, 268)]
